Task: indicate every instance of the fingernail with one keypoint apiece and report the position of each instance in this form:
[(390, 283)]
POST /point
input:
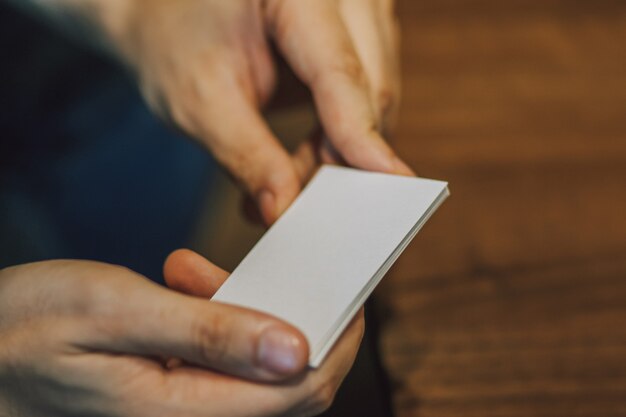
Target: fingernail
[(267, 205), (279, 351)]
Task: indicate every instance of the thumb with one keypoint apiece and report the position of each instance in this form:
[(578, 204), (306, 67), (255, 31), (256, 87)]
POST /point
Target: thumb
[(230, 339)]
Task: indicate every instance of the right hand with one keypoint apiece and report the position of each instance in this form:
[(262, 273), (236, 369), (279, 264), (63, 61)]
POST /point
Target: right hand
[(207, 67), (84, 338)]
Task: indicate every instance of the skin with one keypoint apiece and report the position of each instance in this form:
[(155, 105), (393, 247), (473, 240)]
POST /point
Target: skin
[(206, 67), (83, 338), (213, 71)]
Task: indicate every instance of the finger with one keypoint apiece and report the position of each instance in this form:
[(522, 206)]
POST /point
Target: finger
[(187, 390), (314, 392), (370, 24), (243, 143), (346, 347), (148, 320), (308, 395), (312, 36), (306, 159), (190, 273), (312, 153), (392, 34)]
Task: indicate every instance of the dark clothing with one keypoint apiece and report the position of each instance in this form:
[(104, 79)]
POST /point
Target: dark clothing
[(85, 170)]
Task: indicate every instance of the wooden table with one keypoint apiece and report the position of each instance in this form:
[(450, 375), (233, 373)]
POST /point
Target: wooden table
[(512, 300)]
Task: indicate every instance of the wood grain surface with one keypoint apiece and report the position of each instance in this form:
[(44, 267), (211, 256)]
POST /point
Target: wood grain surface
[(512, 300)]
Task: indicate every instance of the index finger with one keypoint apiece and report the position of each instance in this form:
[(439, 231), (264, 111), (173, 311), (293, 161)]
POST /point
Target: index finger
[(316, 43)]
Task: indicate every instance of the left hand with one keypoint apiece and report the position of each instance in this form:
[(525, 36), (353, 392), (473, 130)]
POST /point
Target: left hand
[(87, 338)]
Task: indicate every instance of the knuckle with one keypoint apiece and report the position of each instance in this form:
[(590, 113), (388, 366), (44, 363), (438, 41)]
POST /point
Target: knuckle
[(180, 111), (261, 167), (99, 301), (185, 101), (211, 338), (284, 179), (90, 296), (351, 67), (242, 164)]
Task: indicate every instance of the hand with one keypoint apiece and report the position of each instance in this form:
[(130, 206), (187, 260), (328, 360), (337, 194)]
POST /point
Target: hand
[(84, 338), (207, 67)]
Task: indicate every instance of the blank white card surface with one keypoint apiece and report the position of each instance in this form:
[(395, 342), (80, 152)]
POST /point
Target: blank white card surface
[(316, 266)]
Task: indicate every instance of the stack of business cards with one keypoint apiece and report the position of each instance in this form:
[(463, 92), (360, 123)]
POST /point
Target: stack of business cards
[(316, 266)]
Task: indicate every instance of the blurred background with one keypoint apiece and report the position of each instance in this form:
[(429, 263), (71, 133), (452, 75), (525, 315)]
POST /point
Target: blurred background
[(510, 302)]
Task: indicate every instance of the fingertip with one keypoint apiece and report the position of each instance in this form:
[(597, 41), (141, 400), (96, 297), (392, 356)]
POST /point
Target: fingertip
[(306, 158), (379, 156), (175, 264), (367, 151), (267, 206), (278, 194), (189, 272)]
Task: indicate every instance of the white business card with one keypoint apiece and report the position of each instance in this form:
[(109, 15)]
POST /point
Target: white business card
[(316, 266)]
